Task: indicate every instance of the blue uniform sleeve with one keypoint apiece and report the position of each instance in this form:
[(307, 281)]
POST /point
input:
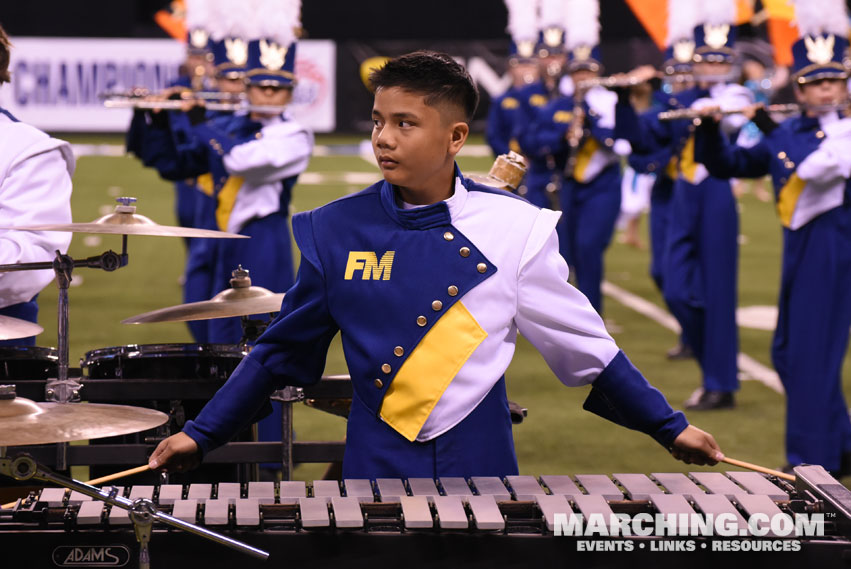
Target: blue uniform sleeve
[(542, 135), (645, 133), (498, 131), (726, 160), (159, 145), (292, 351), (622, 395)]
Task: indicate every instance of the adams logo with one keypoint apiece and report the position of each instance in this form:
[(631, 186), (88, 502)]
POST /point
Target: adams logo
[(91, 556)]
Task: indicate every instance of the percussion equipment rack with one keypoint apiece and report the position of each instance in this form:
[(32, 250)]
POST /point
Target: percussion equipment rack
[(133, 391), (476, 522)]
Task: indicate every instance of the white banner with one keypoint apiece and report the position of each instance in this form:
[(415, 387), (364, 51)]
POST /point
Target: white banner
[(56, 81)]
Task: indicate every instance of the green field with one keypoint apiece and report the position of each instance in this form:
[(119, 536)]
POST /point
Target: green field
[(558, 437)]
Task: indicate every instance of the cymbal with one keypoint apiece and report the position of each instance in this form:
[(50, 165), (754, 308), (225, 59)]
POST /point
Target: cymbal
[(125, 221), (25, 422), (13, 328), (241, 300)]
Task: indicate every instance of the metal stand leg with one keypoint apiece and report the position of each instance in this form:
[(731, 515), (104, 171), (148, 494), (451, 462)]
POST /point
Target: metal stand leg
[(141, 514)]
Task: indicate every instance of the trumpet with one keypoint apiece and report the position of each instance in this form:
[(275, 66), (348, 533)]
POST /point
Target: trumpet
[(781, 109), (169, 105)]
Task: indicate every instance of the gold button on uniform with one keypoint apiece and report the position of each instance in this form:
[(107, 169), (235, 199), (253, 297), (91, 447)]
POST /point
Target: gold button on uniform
[(820, 134), (448, 236), (789, 164), (436, 305), (452, 290), (386, 368), (781, 155), (481, 267), (378, 383), (399, 351), (464, 251), (421, 321)]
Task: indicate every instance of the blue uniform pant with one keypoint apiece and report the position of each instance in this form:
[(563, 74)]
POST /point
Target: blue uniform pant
[(585, 230), (25, 311), (536, 181), (480, 445), (700, 279), (659, 222), (812, 337)]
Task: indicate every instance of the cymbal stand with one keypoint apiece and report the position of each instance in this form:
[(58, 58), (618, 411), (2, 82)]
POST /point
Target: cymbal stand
[(142, 511), (62, 389)]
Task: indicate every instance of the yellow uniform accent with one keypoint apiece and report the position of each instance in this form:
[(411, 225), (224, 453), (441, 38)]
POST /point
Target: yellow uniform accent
[(537, 100), (226, 199), (583, 158), (509, 103), (562, 116), (427, 372), (671, 168), (514, 146), (204, 183), (688, 167), (367, 261), (787, 199)]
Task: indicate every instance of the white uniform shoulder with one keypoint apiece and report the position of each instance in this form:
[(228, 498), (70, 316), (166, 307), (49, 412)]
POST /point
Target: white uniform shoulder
[(19, 141)]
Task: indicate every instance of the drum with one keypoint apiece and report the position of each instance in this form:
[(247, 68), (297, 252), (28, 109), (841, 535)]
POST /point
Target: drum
[(163, 361), (27, 362), (197, 363)]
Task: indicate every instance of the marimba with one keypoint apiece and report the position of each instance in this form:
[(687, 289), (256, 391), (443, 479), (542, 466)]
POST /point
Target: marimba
[(420, 522)]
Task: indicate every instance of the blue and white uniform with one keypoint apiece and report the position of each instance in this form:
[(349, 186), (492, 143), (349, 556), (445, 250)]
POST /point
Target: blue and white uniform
[(702, 252), (35, 189), (429, 301), (591, 197), (809, 160)]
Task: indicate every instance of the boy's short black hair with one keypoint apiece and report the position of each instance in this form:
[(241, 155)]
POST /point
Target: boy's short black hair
[(5, 47), (435, 75)]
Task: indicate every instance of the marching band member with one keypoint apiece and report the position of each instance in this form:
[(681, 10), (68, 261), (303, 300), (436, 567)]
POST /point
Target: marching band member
[(35, 188), (702, 252), (809, 160), (429, 276), (590, 195), (662, 162), (543, 175), (505, 109)]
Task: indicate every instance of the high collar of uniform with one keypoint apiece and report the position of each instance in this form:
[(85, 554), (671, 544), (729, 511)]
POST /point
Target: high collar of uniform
[(426, 216)]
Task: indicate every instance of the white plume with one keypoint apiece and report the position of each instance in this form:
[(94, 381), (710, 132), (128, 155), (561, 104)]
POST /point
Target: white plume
[(279, 20), (682, 19), (551, 14), (233, 18), (718, 12), (821, 16), (522, 20), (198, 14), (582, 18)]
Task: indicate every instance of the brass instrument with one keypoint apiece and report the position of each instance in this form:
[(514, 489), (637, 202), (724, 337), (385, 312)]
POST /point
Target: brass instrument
[(142, 93), (615, 81), (170, 105), (785, 109)]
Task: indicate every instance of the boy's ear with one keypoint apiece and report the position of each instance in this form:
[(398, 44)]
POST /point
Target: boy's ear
[(458, 136)]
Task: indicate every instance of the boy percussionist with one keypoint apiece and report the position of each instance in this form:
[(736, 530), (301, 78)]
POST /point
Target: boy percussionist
[(429, 277)]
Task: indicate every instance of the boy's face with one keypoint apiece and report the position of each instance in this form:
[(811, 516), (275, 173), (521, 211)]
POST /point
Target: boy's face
[(822, 92), (413, 142)]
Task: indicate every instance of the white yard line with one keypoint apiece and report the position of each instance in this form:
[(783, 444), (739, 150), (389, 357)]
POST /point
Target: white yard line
[(751, 368)]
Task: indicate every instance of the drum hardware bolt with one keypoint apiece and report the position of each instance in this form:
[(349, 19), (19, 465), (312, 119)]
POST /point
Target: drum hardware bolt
[(76, 393), (50, 393)]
